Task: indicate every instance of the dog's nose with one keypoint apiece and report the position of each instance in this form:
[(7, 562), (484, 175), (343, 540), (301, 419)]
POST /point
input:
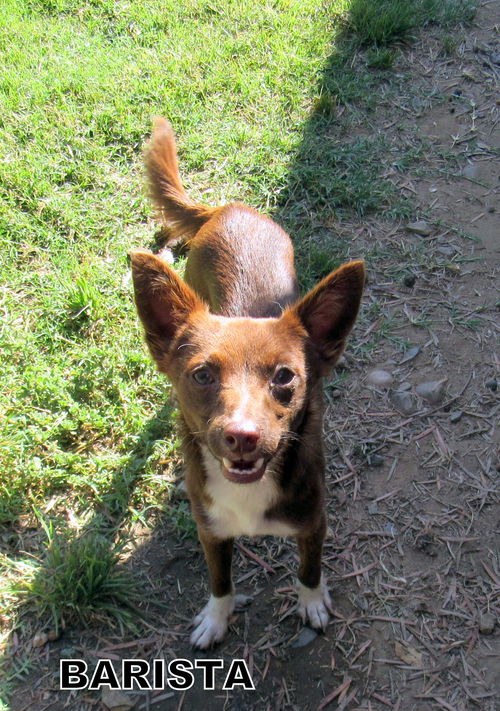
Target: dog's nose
[(241, 437)]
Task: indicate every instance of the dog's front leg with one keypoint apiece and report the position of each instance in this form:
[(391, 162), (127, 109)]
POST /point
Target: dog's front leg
[(211, 624), (314, 599)]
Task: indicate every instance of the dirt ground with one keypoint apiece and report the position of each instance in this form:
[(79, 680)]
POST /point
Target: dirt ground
[(412, 559)]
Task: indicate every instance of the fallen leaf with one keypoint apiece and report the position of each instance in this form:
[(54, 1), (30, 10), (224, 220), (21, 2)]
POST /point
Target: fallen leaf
[(409, 655), (410, 354)]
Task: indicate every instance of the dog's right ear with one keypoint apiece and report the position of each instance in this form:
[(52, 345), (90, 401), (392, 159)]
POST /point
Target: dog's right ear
[(164, 301), (328, 312)]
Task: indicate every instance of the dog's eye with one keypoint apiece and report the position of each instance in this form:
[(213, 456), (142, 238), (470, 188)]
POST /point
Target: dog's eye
[(202, 376), (283, 376)]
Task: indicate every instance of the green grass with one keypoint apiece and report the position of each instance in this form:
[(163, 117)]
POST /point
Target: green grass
[(381, 22), (78, 580), (263, 97)]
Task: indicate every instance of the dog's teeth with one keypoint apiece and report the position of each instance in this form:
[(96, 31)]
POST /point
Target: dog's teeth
[(236, 470)]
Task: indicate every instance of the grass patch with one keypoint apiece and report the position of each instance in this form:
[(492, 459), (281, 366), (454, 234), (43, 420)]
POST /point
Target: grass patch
[(382, 22), (380, 58), (78, 580)]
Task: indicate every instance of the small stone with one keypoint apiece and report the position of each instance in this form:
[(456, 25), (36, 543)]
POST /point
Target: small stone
[(446, 251), (409, 280), (470, 171), (492, 384), (375, 460), (432, 391), (420, 227), (403, 387), (456, 415), (486, 623), (342, 363), (390, 529), (410, 354), (52, 635), (306, 636), (336, 393), (341, 497), (116, 700), (373, 508), (405, 402), (40, 639), (379, 378), (242, 602)]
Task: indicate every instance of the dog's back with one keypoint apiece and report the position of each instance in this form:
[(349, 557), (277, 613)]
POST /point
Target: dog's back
[(240, 262)]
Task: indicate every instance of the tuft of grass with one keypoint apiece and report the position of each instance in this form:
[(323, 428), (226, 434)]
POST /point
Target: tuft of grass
[(79, 580), (382, 22), (83, 299), (325, 104), (449, 44), (380, 58)]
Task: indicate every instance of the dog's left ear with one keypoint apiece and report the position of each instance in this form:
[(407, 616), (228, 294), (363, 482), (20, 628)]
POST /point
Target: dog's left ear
[(329, 311)]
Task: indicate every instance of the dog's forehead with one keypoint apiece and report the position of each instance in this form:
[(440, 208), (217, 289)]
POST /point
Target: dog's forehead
[(260, 340)]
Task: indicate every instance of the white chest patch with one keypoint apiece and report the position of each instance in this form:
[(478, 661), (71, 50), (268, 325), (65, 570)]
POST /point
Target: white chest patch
[(238, 509)]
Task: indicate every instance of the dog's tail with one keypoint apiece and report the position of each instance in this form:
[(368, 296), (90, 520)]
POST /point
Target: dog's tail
[(182, 216)]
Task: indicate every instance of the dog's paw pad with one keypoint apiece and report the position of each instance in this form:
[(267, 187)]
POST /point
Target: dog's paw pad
[(314, 605), (212, 622)]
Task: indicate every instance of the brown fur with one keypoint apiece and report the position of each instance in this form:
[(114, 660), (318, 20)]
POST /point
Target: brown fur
[(236, 322)]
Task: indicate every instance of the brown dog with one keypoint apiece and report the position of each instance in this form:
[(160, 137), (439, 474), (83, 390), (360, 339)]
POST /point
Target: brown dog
[(245, 357)]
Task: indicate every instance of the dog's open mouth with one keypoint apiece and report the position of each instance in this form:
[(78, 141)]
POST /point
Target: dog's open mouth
[(242, 472)]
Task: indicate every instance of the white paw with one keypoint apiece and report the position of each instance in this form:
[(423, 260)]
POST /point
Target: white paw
[(211, 623), (314, 605)]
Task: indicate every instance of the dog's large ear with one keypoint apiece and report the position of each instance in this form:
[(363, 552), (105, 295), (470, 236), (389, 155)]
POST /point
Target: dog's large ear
[(329, 311), (163, 301)]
